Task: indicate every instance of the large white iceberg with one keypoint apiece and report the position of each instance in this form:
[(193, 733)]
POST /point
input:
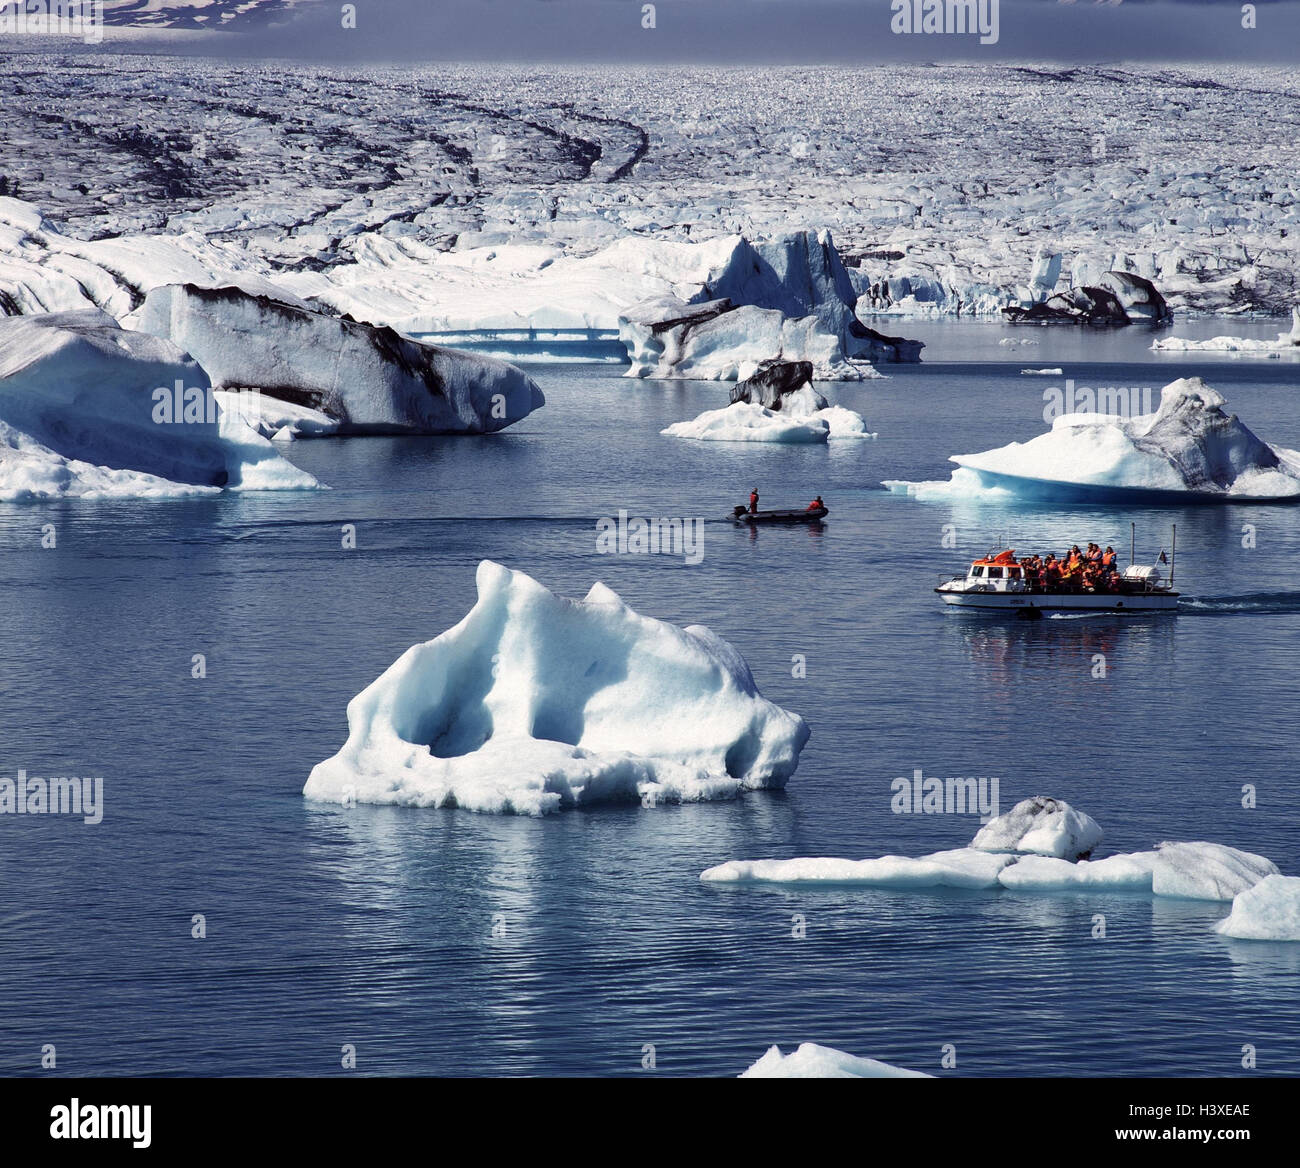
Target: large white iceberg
[(810, 1061), (1267, 911), (365, 378), (533, 702), (91, 410), (1190, 448), (1036, 844)]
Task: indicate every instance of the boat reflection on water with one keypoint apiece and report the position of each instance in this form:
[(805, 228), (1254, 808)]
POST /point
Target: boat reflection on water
[(1087, 646)]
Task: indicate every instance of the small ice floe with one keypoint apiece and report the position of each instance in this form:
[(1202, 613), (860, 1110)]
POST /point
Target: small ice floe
[(777, 404), (533, 703), (1287, 343), (810, 1061), (1189, 449), (1055, 372), (1034, 847), (1267, 911)]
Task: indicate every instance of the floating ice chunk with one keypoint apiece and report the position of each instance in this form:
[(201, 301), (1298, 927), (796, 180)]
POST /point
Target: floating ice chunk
[(746, 422), (1287, 342), (1050, 874), (1204, 871), (803, 416), (1052, 372), (532, 703), (1268, 911), (1034, 847), (811, 1061), (958, 868), (91, 409), (1043, 826)]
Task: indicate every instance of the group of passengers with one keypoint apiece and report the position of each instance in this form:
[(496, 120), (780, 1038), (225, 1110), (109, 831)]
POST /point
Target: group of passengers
[(1091, 570)]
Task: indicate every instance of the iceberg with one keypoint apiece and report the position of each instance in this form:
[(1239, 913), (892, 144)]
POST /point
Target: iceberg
[(1119, 298), (533, 703), (1032, 848), (717, 341), (1190, 449), (810, 1061), (89, 409), (785, 299), (363, 378), (1267, 911)]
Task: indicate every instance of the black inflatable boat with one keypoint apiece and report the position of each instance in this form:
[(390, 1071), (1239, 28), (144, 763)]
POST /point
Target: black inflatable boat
[(742, 515)]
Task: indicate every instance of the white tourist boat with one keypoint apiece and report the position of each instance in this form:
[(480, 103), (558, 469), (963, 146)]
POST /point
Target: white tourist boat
[(999, 582)]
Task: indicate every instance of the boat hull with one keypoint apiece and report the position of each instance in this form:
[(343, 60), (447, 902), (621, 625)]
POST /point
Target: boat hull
[(1109, 602), (783, 516)]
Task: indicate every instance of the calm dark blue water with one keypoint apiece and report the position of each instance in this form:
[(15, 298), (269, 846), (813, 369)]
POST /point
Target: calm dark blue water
[(374, 926)]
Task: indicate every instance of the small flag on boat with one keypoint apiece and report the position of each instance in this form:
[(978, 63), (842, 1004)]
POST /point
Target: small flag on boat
[(1164, 559)]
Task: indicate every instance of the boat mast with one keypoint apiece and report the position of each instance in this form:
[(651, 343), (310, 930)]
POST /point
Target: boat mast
[(1173, 555), (1132, 543)]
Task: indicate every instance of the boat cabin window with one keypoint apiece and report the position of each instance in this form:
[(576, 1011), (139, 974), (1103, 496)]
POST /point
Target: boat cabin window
[(1014, 573), (977, 570), (995, 573)]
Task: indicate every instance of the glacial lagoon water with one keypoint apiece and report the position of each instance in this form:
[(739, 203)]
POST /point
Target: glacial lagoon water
[(443, 942)]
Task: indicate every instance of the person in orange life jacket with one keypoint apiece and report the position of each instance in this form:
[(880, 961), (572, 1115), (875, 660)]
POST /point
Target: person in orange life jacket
[(816, 504), (753, 501), (1094, 554), (1108, 559), (1051, 570)]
